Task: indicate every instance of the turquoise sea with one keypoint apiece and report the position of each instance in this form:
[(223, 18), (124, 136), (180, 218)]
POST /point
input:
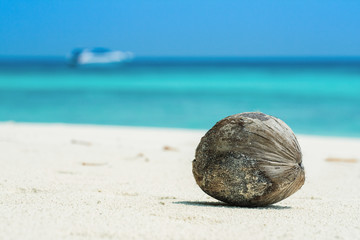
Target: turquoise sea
[(312, 95)]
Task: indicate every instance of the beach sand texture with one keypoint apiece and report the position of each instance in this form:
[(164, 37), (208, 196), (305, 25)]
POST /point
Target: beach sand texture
[(96, 182)]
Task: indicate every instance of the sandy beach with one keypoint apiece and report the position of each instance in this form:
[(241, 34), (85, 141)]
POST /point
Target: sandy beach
[(99, 182)]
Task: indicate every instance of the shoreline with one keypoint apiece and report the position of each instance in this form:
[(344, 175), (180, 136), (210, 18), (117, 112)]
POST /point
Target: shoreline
[(201, 130), (65, 181)]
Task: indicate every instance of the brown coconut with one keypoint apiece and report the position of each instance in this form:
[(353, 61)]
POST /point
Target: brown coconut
[(249, 159)]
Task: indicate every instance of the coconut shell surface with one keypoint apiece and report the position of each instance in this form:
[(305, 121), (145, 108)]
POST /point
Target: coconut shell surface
[(249, 159)]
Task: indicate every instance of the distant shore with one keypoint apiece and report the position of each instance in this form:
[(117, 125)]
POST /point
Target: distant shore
[(60, 181)]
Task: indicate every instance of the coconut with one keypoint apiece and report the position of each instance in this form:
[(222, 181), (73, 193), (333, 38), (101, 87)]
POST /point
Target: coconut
[(249, 159)]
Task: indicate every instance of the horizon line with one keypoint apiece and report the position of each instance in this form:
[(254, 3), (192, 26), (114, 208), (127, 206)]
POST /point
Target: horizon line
[(206, 57)]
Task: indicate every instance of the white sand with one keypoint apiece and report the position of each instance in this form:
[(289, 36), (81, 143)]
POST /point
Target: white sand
[(87, 182)]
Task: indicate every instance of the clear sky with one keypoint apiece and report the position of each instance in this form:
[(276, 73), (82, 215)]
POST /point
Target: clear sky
[(182, 27)]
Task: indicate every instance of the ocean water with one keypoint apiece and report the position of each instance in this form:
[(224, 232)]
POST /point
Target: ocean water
[(313, 96)]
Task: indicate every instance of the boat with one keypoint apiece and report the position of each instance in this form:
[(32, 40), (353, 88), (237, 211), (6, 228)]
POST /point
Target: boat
[(98, 57)]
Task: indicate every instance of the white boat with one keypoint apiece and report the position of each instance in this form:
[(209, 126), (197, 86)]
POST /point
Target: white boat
[(98, 56)]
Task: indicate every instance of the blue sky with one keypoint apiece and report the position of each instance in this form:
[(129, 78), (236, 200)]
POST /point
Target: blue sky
[(182, 28)]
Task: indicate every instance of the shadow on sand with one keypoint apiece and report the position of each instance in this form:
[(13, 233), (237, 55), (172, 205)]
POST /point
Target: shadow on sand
[(221, 204)]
